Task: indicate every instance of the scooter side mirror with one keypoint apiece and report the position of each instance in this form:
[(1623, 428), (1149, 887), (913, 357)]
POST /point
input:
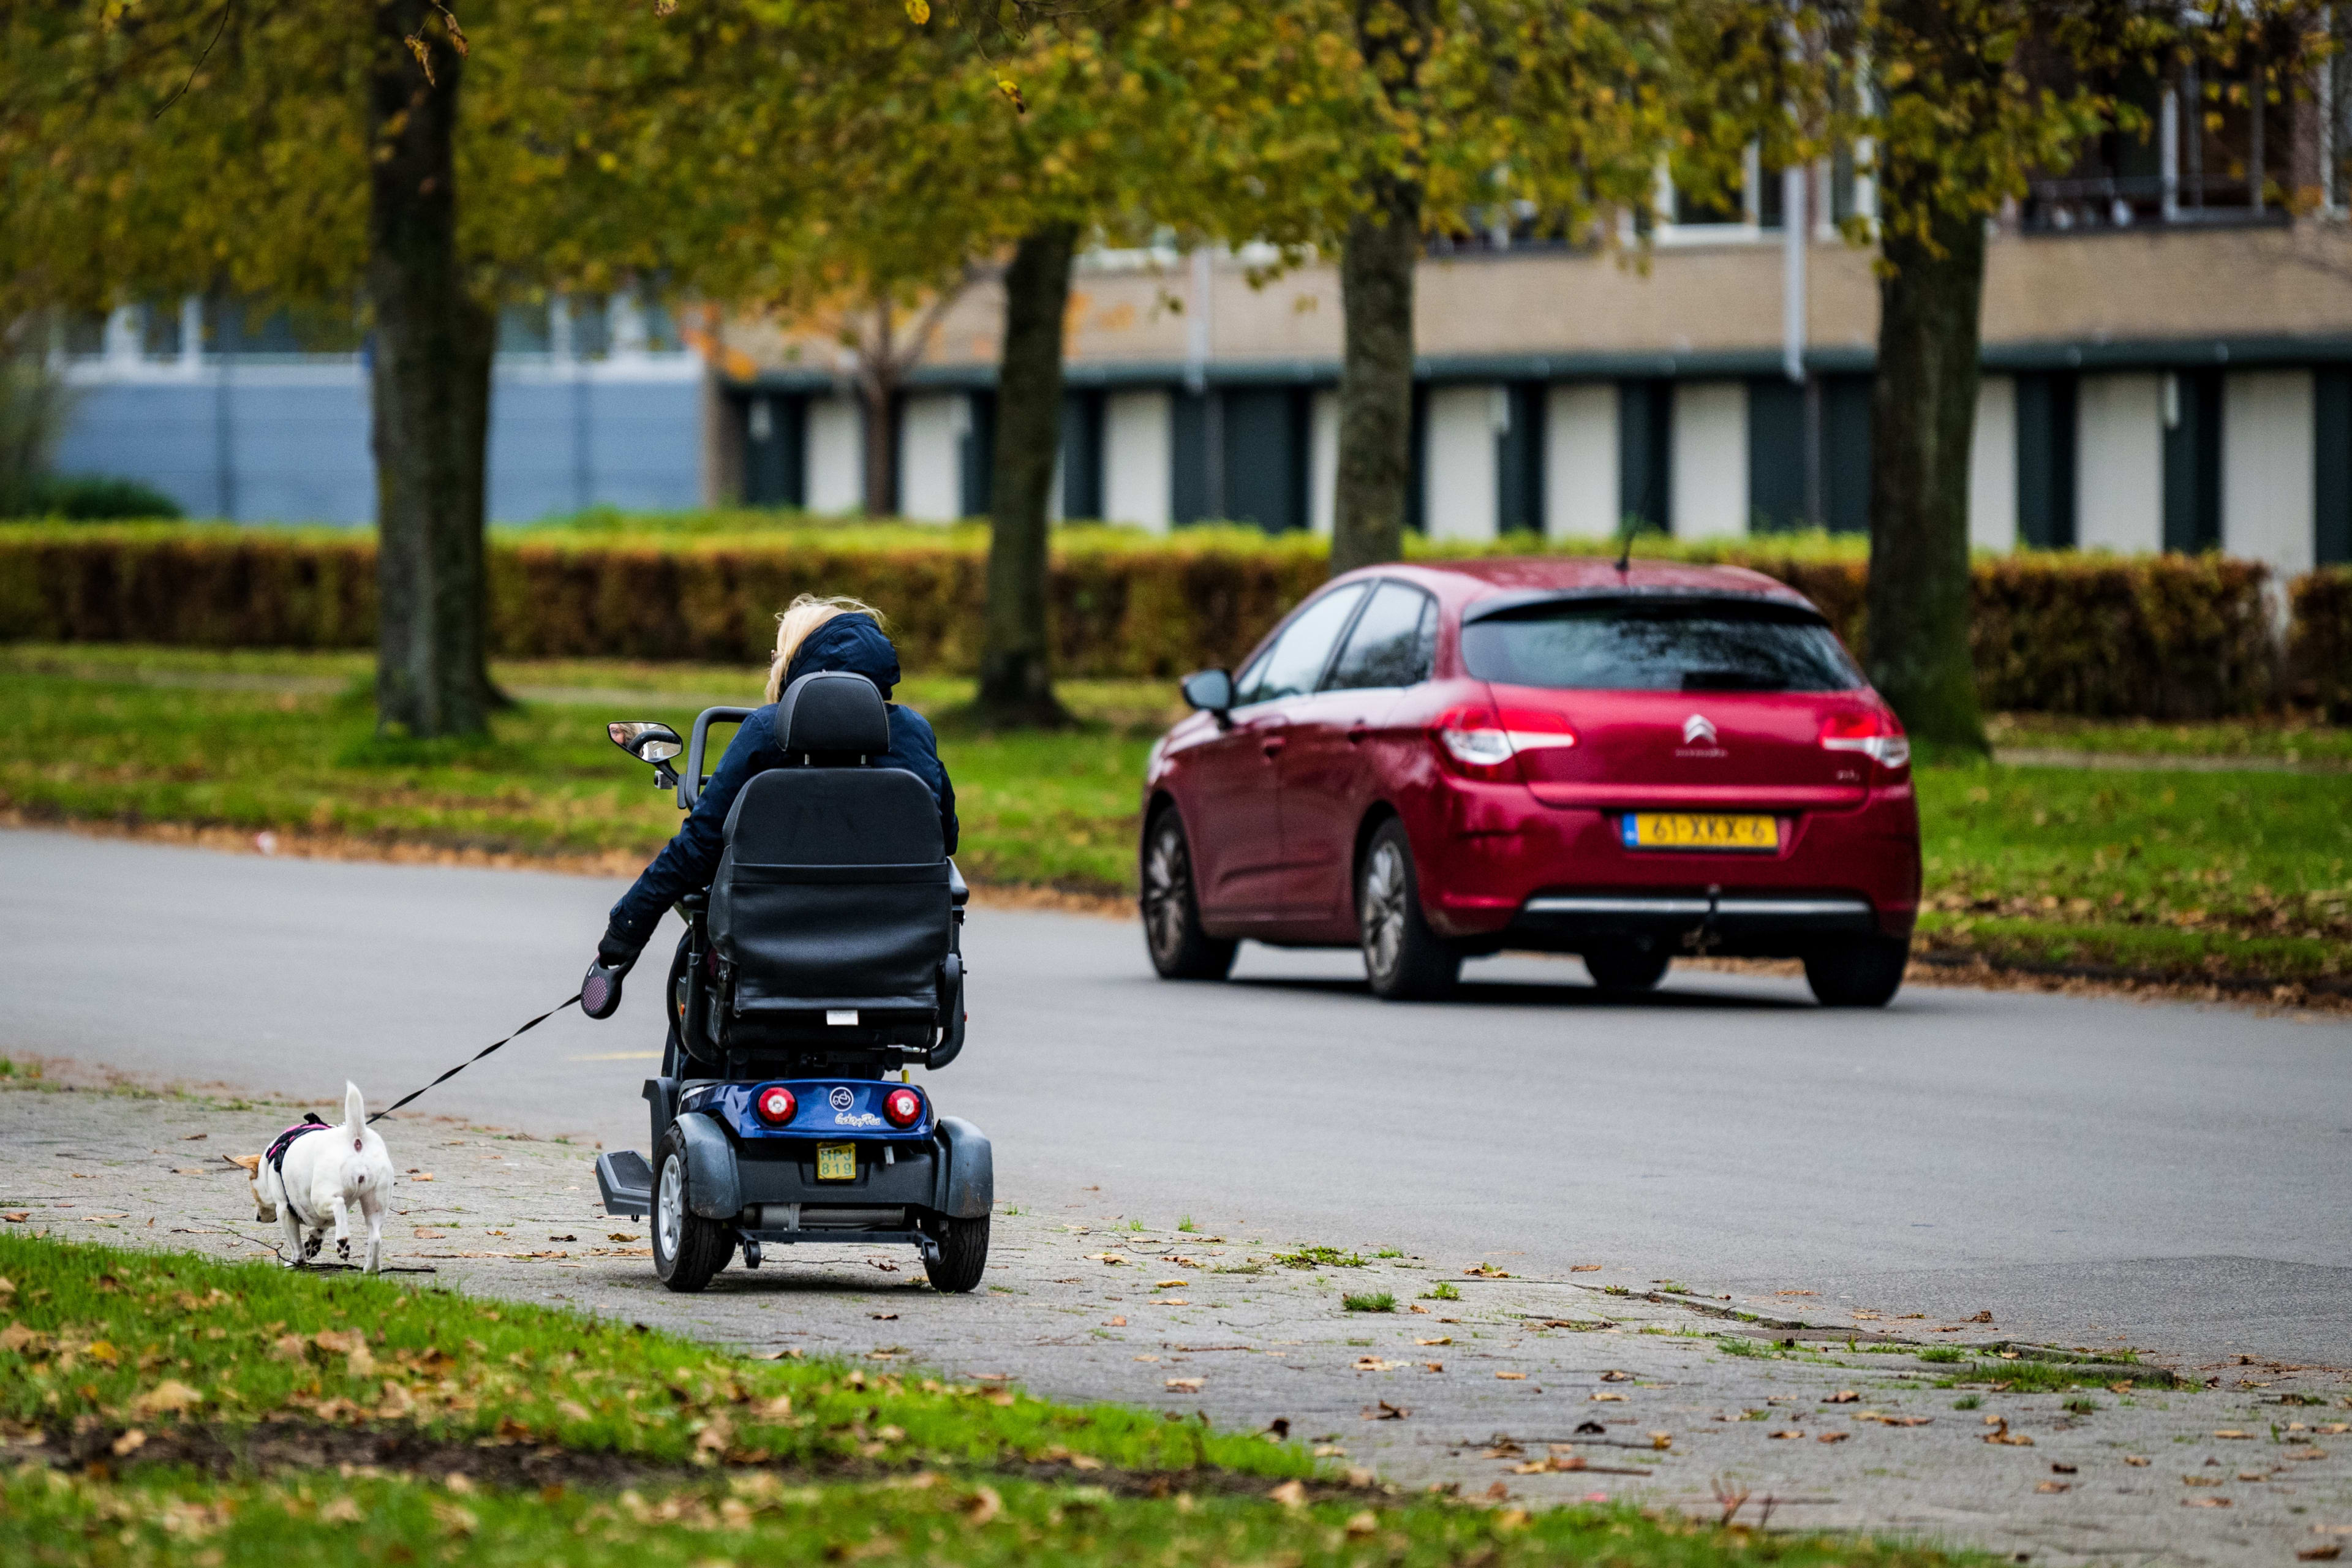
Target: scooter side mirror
[(644, 740), (1211, 690)]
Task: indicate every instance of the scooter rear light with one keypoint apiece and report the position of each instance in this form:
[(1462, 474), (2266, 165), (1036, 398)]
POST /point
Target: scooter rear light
[(902, 1108), (775, 1105), (1876, 735)]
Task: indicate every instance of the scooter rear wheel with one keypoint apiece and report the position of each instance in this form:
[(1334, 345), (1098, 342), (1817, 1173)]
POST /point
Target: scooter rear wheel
[(687, 1248), (962, 1253)]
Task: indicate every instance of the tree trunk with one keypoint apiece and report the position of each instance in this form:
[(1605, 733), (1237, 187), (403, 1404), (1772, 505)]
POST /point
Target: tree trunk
[(878, 384), (1016, 683), (1375, 465), (1922, 414), (875, 400), (430, 386)]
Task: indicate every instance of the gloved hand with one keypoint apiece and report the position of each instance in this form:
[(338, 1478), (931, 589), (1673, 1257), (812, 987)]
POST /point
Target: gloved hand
[(600, 989)]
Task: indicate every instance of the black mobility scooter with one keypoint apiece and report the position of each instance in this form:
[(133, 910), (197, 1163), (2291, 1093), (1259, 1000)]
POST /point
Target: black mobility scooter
[(825, 962)]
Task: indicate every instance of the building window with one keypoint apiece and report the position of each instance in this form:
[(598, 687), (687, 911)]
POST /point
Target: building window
[(2045, 460), (1646, 453), (2193, 460)]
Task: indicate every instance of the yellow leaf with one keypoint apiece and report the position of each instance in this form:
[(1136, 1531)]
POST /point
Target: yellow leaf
[(918, 11), (1012, 91), (169, 1394)]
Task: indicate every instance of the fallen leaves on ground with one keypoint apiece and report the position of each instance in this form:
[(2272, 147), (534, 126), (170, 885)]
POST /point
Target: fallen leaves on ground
[(1186, 1384)]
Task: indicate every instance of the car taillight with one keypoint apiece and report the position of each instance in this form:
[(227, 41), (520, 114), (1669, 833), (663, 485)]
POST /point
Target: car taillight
[(1484, 740), (1878, 736), (902, 1108), (775, 1105)]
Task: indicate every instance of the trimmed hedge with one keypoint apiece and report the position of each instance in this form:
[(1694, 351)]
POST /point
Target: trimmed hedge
[(2162, 636), (2319, 641)]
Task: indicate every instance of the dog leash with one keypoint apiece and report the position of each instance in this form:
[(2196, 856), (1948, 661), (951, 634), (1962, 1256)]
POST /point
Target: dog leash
[(477, 1056)]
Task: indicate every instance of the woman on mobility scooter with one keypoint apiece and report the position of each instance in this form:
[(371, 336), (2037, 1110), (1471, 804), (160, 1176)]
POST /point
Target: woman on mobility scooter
[(822, 937)]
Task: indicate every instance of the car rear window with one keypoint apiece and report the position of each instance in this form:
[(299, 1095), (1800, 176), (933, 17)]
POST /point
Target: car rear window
[(1619, 645)]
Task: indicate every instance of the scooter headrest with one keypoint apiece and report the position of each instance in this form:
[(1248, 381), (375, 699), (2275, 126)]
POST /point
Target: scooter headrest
[(833, 713)]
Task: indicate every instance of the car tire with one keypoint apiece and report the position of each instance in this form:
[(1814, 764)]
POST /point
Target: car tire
[(687, 1248), (1179, 949), (962, 1253), (1866, 973), (1404, 960), (1626, 966)]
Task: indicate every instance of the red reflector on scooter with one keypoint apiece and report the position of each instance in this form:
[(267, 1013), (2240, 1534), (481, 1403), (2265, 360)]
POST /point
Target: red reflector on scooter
[(775, 1105), (902, 1108)]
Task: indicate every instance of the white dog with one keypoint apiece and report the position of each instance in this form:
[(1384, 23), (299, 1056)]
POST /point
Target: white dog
[(314, 1172)]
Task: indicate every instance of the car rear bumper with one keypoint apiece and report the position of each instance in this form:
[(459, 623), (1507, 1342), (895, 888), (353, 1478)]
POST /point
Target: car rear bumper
[(1562, 879), (1728, 924)]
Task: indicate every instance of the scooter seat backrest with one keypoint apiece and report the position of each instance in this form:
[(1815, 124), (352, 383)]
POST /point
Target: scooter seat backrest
[(832, 717), (832, 890)]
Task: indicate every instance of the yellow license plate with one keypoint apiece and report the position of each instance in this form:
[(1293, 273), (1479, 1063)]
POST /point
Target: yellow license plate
[(1686, 830), (836, 1161)]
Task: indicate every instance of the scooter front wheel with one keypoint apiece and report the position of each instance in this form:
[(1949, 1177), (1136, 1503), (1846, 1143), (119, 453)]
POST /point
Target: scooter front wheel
[(961, 1256), (687, 1248)]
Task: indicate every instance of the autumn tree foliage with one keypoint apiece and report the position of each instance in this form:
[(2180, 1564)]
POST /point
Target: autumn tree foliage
[(389, 158), (1963, 102)]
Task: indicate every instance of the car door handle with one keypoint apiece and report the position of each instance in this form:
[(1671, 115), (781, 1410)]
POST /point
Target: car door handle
[(1356, 732), (1272, 746)]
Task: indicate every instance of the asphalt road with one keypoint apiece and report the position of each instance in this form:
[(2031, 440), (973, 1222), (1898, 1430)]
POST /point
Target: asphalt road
[(2092, 1172)]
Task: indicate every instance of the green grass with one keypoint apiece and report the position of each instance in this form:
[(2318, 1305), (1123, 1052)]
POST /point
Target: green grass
[(1444, 1290), (1374, 1301), (1307, 1256), (2292, 740), (2185, 875), (2027, 1377), (112, 1327), (645, 1448)]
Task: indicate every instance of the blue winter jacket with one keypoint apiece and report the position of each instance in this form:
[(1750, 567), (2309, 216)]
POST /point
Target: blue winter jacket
[(688, 861)]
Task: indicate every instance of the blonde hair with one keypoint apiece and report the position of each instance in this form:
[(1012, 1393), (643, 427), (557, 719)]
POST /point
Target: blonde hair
[(804, 615)]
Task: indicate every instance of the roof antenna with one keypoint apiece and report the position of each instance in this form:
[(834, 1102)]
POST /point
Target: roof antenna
[(1625, 556)]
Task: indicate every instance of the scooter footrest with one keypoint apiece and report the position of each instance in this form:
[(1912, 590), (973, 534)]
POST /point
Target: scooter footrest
[(627, 1183)]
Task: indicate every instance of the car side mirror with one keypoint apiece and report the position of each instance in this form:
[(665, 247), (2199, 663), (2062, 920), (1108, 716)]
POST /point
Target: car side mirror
[(649, 742), (1211, 690)]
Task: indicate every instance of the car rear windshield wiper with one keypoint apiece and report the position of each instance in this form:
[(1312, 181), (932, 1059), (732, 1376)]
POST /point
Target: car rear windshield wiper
[(1732, 681)]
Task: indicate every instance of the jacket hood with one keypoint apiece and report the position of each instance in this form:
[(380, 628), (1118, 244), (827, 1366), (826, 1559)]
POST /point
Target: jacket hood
[(852, 643)]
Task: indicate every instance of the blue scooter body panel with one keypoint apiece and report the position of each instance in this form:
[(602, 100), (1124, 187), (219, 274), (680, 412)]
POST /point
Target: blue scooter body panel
[(828, 1108)]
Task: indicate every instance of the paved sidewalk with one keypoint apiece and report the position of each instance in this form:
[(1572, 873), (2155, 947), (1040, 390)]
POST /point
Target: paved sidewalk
[(1553, 1389)]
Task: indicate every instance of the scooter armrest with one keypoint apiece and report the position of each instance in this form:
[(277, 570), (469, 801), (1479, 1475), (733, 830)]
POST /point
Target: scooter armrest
[(959, 891)]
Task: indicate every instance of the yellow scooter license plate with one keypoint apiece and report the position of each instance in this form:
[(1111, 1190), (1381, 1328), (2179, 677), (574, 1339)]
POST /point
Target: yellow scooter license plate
[(1686, 830), (836, 1161)]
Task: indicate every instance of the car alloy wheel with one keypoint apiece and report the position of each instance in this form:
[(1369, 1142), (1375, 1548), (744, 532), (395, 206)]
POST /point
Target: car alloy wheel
[(1179, 949), (1384, 896), (1403, 958)]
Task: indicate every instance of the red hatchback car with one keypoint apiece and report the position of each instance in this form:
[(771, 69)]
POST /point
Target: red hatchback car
[(1435, 763)]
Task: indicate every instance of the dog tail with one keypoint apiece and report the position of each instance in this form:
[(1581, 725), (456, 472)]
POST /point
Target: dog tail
[(354, 1107)]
